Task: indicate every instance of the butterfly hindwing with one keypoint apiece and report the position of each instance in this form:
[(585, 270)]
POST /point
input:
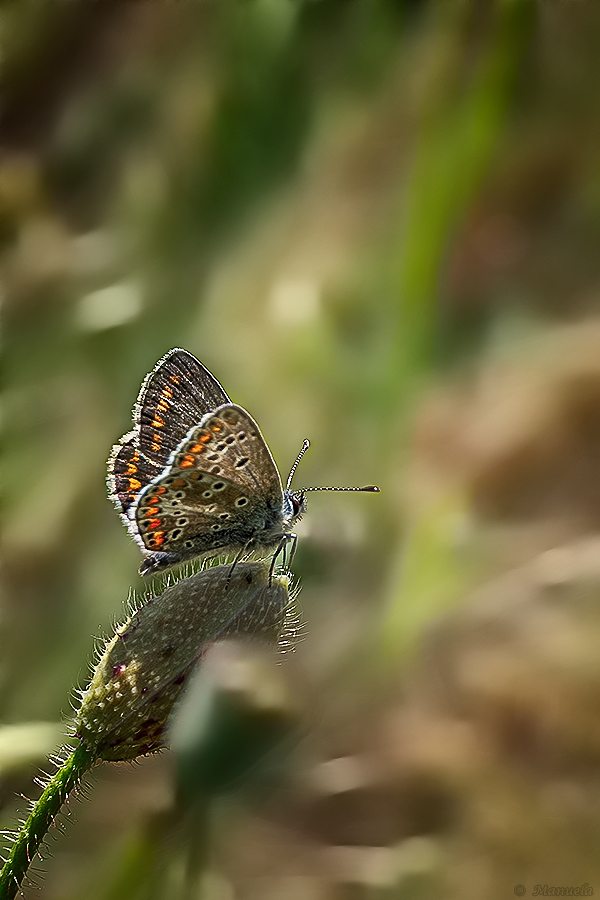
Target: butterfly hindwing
[(179, 513), (128, 472)]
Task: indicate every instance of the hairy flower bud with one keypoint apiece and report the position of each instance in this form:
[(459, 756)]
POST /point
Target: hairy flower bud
[(144, 667)]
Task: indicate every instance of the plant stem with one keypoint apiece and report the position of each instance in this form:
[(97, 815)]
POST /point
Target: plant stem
[(44, 811)]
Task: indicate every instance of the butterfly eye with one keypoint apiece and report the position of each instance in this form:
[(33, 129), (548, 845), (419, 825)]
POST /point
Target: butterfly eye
[(298, 504)]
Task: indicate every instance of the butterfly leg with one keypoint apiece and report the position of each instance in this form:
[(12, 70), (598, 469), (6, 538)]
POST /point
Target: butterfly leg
[(293, 538), (239, 555), (281, 548)]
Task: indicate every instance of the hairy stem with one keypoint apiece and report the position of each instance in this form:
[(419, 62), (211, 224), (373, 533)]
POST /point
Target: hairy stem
[(44, 811)]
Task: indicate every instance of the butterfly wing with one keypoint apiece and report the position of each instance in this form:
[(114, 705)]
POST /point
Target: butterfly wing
[(128, 473), (174, 396), (220, 490)]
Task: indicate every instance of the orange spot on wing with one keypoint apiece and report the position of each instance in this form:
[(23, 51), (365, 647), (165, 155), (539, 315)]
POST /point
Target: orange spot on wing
[(134, 484), (160, 490), (186, 462), (197, 448), (175, 379), (131, 469), (157, 422), (154, 523), (151, 511), (205, 438), (159, 538), (179, 483), (216, 426)]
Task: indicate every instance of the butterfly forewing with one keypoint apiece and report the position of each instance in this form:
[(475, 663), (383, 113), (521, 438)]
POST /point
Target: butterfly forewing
[(174, 396), (228, 442), (220, 489)]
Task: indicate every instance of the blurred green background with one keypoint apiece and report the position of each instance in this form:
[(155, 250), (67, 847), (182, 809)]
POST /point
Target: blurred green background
[(378, 223)]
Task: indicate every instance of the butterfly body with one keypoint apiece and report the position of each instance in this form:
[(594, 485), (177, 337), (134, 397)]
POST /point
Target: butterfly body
[(195, 475)]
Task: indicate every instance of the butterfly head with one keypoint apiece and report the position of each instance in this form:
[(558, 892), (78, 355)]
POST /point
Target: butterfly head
[(294, 506)]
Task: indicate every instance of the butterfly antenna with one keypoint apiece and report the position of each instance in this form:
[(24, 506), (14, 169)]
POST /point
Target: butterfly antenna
[(371, 488), (305, 447)]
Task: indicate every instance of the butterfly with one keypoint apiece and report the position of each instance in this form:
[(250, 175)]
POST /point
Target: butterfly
[(195, 474)]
